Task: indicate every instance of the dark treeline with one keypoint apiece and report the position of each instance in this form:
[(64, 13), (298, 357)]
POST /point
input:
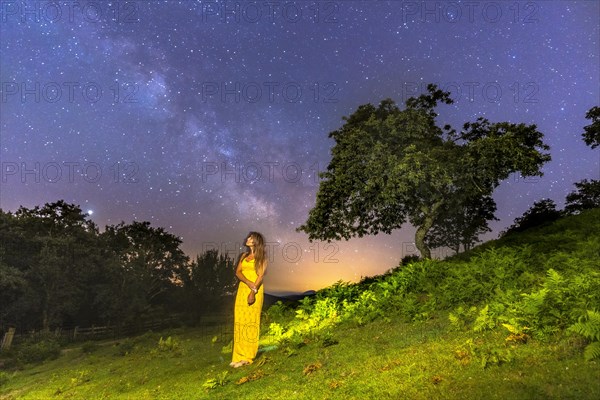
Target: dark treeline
[(57, 269)]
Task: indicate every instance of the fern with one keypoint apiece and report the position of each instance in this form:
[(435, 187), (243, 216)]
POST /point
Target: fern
[(590, 329), (554, 280), (456, 320), (484, 320), (592, 351), (220, 380)]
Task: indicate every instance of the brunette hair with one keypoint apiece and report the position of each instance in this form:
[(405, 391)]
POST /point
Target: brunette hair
[(260, 254)]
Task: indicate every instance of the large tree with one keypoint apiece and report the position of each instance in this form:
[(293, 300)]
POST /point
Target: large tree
[(208, 281), (57, 269), (213, 274), (53, 249), (150, 266), (390, 166)]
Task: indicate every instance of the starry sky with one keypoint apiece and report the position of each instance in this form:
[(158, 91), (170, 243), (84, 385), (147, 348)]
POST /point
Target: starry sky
[(211, 118)]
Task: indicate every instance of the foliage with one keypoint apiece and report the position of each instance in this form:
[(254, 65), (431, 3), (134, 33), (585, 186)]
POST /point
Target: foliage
[(585, 197), (82, 377), (484, 321), (150, 261), (494, 356), (589, 327), (339, 291), (461, 317), (169, 344), (278, 311), (559, 302), (531, 285), (57, 269), (219, 380), (486, 354), (228, 348), (391, 166), (591, 135), (125, 347), (462, 223), (13, 285), (542, 212), (275, 331), (47, 256), (35, 350), (509, 288), (365, 309), (517, 333), (207, 280)]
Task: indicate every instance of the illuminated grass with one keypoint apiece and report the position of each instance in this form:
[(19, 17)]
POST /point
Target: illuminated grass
[(378, 360)]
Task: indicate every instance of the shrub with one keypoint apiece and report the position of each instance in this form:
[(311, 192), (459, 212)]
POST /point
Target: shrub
[(38, 351), (461, 318), (560, 302), (277, 311), (170, 345)]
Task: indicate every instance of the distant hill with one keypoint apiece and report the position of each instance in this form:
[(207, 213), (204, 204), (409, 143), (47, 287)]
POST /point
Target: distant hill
[(271, 299)]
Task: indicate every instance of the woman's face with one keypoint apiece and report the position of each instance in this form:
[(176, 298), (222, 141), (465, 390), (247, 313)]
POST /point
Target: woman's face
[(250, 241)]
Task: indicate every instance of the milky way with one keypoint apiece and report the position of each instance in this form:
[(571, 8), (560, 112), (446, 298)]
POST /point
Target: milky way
[(211, 119)]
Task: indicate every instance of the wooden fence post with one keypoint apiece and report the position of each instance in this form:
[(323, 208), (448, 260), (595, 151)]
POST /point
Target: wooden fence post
[(7, 340)]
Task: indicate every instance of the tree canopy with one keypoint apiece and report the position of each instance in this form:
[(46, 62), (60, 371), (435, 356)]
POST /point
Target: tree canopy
[(461, 224), (586, 196), (390, 166), (57, 269), (542, 212), (591, 134)]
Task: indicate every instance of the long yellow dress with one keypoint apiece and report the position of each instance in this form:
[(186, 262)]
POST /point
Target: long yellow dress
[(246, 318)]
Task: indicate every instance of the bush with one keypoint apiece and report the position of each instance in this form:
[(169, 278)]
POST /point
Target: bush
[(169, 344), (32, 351), (278, 312)]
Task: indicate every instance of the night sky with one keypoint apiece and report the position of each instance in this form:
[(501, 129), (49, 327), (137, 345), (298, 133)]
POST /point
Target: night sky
[(211, 119)]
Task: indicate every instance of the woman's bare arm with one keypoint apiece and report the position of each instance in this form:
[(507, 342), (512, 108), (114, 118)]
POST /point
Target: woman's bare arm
[(259, 280), (240, 274)]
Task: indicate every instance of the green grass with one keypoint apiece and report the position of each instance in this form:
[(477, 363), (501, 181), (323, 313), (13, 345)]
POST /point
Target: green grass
[(424, 360), (412, 353)]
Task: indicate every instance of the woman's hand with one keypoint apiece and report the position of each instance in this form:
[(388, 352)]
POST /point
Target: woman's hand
[(251, 298)]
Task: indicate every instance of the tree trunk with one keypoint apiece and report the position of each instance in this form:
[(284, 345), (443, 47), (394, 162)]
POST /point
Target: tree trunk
[(424, 228), (456, 249), (420, 237)]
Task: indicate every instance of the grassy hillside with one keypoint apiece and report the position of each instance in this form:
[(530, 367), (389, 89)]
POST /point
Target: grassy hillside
[(514, 318)]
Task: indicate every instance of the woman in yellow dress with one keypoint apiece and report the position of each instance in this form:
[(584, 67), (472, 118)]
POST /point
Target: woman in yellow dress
[(248, 301)]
